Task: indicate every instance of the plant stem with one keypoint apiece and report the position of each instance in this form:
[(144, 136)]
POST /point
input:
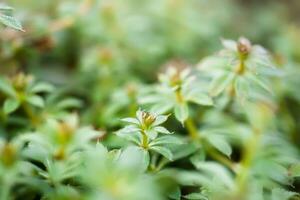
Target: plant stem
[(162, 163), (247, 160), (179, 97), (241, 67), (222, 159), (5, 189), (192, 129), (145, 140)]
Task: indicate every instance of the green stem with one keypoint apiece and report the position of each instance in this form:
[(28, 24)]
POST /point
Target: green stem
[(241, 67), (192, 129), (154, 158), (247, 161), (162, 163), (5, 189), (179, 97), (222, 159), (33, 118), (144, 140)]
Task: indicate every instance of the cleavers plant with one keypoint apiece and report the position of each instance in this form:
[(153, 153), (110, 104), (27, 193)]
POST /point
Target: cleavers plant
[(211, 131)]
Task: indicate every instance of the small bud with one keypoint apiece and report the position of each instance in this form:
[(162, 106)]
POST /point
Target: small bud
[(59, 154), (131, 90), (8, 155), (65, 132), (21, 81), (244, 46), (106, 55), (174, 77), (148, 118)]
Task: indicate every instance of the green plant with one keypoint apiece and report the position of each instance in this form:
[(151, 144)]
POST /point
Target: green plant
[(82, 115)]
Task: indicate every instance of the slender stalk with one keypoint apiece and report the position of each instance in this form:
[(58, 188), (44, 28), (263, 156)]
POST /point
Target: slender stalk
[(192, 129), (162, 163), (246, 163), (33, 118), (154, 158), (5, 189), (241, 67), (222, 159), (179, 97), (144, 140)]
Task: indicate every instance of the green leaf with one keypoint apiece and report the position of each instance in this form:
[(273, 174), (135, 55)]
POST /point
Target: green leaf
[(181, 112), (6, 88), (131, 120), (42, 87), (161, 108), (69, 103), (201, 99), (295, 170), (11, 22), (152, 134), (241, 88), (216, 171), (162, 129), (183, 150), (5, 8), (196, 196), (10, 105), (163, 151), (133, 157), (36, 101), (281, 194), (160, 119), (219, 84), (256, 79), (131, 137), (128, 130), (146, 159), (220, 143), (163, 140), (175, 194)]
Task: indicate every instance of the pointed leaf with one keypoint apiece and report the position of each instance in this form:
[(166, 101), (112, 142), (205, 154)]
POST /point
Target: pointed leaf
[(11, 22), (10, 105), (181, 112), (162, 129), (36, 101), (220, 83), (163, 140), (131, 120), (196, 196), (42, 87), (163, 151), (220, 143), (201, 99), (160, 119)]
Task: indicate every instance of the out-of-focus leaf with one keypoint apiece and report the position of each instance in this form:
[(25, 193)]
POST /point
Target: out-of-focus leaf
[(10, 105), (163, 151), (181, 112), (11, 22), (36, 101), (220, 143), (196, 196), (220, 83)]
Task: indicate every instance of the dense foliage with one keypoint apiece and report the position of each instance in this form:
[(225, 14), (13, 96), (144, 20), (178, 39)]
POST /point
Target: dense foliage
[(148, 100)]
